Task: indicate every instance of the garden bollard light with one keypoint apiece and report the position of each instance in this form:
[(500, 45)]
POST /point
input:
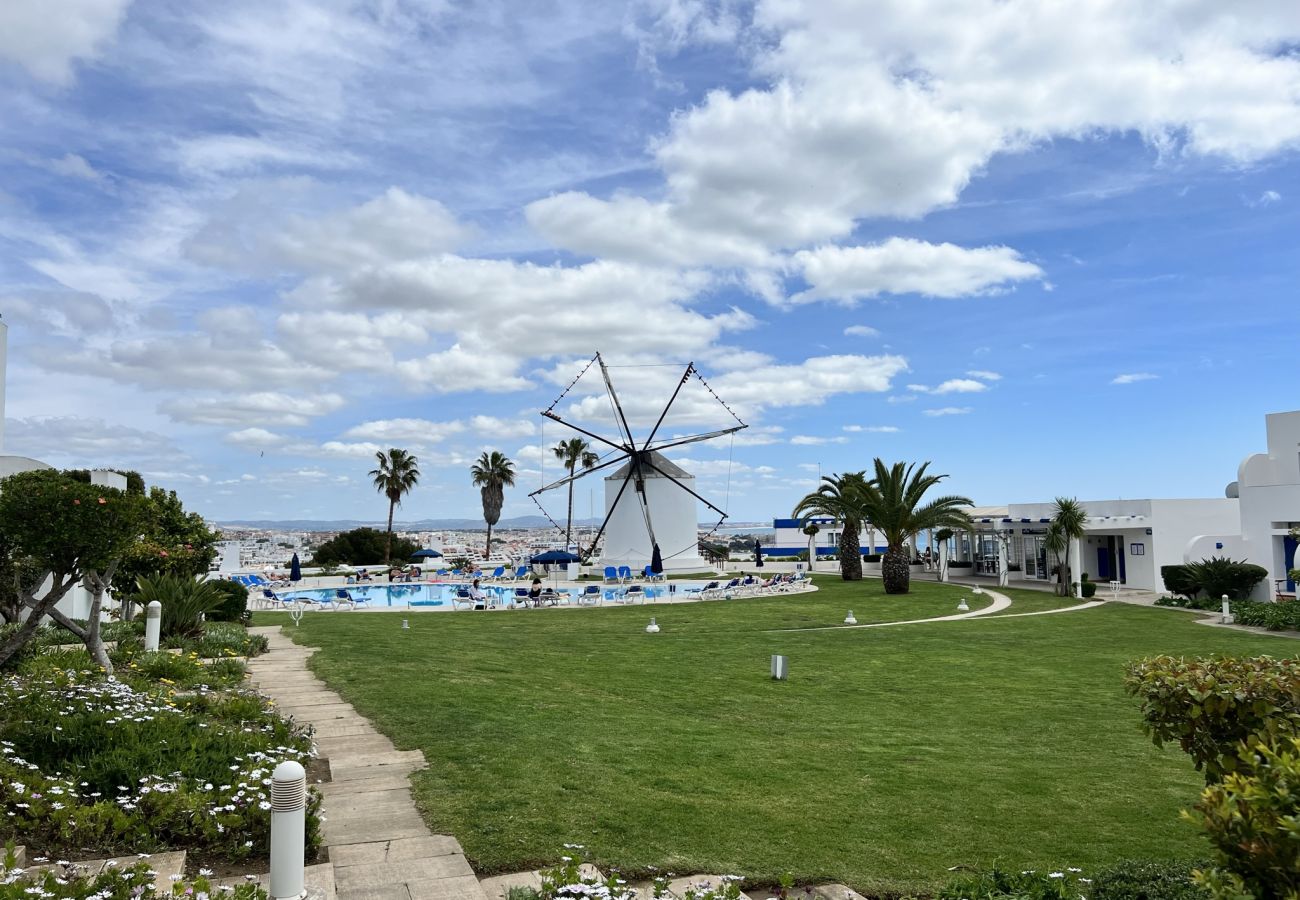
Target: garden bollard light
[(963, 606), (652, 628), (849, 620), (152, 625), (1227, 611), (406, 624), (780, 668), (288, 831)]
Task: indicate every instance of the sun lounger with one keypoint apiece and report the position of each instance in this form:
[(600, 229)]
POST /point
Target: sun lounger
[(611, 575), (651, 575), (633, 594), (590, 596), (624, 574), (498, 573)]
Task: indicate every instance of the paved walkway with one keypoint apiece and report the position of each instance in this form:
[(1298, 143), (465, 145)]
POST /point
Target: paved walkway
[(379, 847)]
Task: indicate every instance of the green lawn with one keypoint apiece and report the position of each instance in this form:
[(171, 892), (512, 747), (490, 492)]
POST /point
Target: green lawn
[(891, 755)]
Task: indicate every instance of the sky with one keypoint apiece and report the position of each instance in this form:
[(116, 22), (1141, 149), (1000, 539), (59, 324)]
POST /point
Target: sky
[(1050, 247)]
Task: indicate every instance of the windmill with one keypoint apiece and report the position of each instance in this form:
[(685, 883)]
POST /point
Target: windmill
[(647, 497)]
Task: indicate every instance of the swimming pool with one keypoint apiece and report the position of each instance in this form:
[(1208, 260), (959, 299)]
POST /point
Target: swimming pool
[(439, 596)]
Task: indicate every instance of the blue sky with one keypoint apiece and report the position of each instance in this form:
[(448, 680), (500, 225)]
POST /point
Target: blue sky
[(1049, 246)]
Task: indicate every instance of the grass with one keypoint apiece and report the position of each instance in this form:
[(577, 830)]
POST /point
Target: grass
[(891, 754)]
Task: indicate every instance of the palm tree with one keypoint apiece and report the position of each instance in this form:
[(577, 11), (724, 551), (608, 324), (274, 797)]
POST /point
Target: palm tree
[(892, 501), (492, 474), (397, 473), (840, 497), (1065, 528), (572, 453), (811, 530)]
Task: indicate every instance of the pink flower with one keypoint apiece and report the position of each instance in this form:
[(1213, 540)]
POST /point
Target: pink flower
[(102, 500)]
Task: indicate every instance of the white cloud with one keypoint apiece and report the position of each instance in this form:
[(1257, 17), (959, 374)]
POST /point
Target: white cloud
[(907, 266), (72, 165), (47, 41), (88, 442), (984, 375), (256, 438), (1268, 198), (948, 411), (951, 386), (413, 431), (500, 429), (861, 331), (259, 406), (872, 429), (810, 382), (808, 440), (1133, 378)]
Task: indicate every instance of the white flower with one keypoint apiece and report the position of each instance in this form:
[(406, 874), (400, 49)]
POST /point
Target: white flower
[(1056, 875)]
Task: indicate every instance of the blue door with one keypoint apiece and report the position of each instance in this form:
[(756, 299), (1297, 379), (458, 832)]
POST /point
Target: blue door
[(1103, 564), (1288, 552)]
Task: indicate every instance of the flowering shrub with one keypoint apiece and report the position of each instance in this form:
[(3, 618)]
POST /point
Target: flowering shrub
[(70, 882), (221, 639), (567, 882), (103, 765), (1066, 884), (1273, 616)]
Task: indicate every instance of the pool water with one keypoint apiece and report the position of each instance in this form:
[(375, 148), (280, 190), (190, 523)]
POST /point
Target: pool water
[(439, 596)]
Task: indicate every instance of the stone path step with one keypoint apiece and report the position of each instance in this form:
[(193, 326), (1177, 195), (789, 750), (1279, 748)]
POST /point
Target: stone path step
[(318, 881), (379, 847)]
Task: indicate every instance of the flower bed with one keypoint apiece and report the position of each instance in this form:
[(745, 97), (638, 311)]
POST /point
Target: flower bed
[(138, 765), (1273, 616), (71, 882)]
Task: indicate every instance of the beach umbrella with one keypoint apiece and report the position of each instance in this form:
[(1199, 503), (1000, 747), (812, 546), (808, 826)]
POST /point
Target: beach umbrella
[(426, 554), (554, 557), (758, 554), (295, 569), (657, 561)]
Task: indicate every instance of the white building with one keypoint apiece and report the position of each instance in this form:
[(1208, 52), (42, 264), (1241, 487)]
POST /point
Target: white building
[(672, 513), (1267, 494)]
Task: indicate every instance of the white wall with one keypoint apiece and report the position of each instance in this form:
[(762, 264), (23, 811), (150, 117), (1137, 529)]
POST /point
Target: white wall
[(673, 512)]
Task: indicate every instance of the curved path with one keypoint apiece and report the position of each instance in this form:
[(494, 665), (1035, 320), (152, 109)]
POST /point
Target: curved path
[(1000, 602)]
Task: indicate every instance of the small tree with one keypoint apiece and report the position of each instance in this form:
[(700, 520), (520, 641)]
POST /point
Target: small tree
[(841, 497), (492, 474), (1065, 528), (71, 532), (811, 530)]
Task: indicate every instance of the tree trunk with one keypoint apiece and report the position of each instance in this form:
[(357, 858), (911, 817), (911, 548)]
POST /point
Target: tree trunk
[(388, 537), (39, 609), (851, 552), (568, 523), (1065, 572), (895, 570), (487, 551), (94, 643)]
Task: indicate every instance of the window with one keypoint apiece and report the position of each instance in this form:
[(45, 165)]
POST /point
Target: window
[(1137, 549)]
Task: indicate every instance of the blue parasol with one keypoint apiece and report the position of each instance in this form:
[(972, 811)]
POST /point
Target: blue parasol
[(295, 569)]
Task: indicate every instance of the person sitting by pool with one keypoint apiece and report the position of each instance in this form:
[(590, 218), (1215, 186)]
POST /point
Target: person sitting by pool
[(363, 575), (748, 579), (535, 592), (478, 595)]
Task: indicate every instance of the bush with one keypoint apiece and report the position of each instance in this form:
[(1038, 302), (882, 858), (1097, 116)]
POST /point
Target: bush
[(1065, 884), (184, 602), (1178, 580), (1273, 616), (361, 547), (234, 604), (871, 557), (1209, 706), (961, 564), (1219, 575), (1203, 603), (1252, 819), (220, 639), (1089, 588), (116, 767), (1147, 880)]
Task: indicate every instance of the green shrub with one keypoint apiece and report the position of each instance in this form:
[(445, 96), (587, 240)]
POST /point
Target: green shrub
[(235, 602), (1065, 884), (184, 601), (871, 557), (1089, 588), (1252, 819), (1144, 879), (1273, 616), (1209, 706), (220, 639), (128, 766), (1178, 580), (961, 564), (1220, 575)]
